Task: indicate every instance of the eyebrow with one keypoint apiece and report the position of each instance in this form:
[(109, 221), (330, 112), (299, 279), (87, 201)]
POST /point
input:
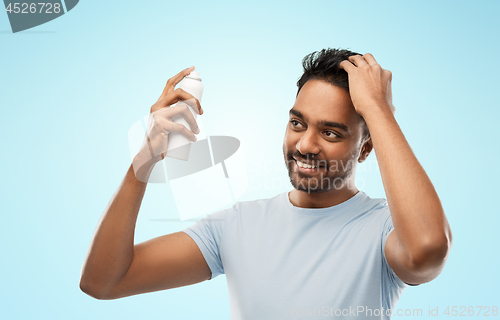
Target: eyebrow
[(325, 123)]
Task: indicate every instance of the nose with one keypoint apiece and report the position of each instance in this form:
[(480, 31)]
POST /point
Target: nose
[(308, 144)]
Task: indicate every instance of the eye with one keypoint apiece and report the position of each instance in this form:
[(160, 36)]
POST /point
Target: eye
[(295, 123), (331, 134)]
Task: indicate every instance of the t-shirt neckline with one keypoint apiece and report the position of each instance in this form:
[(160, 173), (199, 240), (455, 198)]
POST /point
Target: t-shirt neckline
[(333, 209)]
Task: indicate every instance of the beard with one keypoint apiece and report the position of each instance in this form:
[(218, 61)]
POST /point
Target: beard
[(335, 176)]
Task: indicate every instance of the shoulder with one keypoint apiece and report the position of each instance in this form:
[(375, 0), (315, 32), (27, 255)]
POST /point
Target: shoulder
[(375, 208)]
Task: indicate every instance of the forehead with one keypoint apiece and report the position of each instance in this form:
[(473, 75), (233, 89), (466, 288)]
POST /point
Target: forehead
[(321, 101)]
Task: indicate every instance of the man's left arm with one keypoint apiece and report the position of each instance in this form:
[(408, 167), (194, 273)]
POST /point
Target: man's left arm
[(418, 247)]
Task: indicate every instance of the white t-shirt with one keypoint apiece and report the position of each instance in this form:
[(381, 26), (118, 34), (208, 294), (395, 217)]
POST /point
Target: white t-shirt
[(286, 262)]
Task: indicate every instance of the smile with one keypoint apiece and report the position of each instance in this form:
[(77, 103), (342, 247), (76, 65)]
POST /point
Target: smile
[(305, 167)]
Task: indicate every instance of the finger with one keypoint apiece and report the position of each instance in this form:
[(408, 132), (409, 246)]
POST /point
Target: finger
[(347, 66), (389, 74), (172, 82), (177, 127), (358, 60), (180, 95), (182, 110), (370, 59)]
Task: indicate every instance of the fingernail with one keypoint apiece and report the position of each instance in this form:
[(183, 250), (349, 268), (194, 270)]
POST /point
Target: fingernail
[(197, 130), (194, 139)]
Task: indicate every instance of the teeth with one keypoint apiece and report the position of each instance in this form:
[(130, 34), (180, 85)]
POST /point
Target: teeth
[(305, 165)]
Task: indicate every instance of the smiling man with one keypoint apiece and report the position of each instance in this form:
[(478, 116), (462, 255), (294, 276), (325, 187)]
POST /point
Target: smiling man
[(324, 248), (324, 140)]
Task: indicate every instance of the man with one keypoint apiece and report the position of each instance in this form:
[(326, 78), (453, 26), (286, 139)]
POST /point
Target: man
[(322, 249)]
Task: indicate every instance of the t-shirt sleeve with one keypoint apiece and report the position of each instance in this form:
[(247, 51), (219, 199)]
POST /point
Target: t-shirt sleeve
[(387, 228), (207, 233)]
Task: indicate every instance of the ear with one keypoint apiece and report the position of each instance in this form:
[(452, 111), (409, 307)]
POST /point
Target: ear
[(366, 148)]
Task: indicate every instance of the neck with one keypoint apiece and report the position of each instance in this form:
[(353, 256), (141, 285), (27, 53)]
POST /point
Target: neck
[(302, 199)]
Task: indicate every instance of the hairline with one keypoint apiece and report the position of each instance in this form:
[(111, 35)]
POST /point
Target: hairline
[(325, 79)]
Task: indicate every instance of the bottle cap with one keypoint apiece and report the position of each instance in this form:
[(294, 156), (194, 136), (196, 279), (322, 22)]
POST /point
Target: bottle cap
[(194, 75)]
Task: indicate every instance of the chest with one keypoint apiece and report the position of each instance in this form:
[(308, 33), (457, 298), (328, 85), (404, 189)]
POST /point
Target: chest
[(281, 248)]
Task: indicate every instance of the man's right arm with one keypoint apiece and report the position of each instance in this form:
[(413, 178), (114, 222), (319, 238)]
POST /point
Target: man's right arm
[(114, 267)]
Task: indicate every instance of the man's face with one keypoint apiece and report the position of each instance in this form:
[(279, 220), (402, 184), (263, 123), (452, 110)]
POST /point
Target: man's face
[(324, 131)]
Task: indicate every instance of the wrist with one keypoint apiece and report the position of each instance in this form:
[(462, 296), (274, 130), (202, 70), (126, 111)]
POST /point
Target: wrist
[(143, 164), (377, 111)]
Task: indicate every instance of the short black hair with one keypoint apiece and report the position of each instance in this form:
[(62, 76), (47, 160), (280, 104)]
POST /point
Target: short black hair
[(324, 65)]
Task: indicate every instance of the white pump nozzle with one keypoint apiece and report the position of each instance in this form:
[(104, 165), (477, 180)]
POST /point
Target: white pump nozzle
[(194, 75)]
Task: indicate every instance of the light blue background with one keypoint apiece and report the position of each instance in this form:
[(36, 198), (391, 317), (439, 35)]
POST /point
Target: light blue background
[(71, 88)]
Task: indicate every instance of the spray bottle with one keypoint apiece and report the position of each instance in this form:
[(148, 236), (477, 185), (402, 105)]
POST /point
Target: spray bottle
[(178, 145)]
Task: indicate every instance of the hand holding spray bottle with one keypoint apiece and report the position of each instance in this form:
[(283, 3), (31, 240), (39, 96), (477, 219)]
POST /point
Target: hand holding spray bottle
[(178, 145)]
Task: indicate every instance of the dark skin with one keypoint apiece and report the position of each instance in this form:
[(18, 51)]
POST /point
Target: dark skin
[(115, 267), (337, 148), (416, 250), (418, 247)]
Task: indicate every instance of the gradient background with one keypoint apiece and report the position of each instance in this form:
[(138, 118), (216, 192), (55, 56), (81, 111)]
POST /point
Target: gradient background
[(71, 88)]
